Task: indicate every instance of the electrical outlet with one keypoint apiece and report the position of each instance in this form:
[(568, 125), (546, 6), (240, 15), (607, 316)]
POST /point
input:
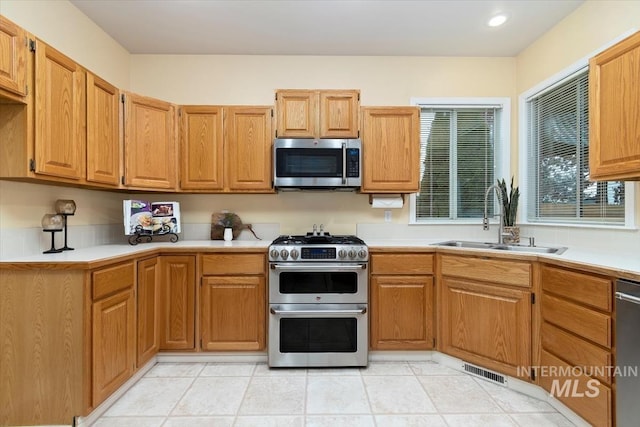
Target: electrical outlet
[(387, 216)]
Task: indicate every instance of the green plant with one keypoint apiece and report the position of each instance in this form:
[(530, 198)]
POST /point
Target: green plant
[(509, 202), (227, 219)]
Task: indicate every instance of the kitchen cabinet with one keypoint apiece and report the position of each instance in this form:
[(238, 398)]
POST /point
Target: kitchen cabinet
[(201, 147), (60, 114), (486, 311), (148, 310), (177, 302), (103, 132), (614, 108), (248, 137), (402, 315), (317, 113), (226, 149), (45, 330), (113, 329), (13, 66), (576, 338), (233, 302), (150, 149), (390, 149)]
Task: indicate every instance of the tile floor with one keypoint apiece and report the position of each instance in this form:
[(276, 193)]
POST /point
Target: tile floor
[(389, 394)]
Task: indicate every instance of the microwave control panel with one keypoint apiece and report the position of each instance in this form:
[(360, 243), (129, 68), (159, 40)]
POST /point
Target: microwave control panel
[(353, 162)]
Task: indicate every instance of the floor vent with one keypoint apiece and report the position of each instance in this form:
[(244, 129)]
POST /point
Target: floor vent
[(483, 373)]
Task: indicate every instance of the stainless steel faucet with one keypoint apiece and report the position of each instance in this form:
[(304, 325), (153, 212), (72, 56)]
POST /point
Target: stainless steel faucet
[(485, 219)]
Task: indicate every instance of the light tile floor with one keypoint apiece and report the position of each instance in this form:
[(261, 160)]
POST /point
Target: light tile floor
[(385, 394)]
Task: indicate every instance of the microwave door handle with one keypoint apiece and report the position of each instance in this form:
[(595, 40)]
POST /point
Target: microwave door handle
[(344, 163)]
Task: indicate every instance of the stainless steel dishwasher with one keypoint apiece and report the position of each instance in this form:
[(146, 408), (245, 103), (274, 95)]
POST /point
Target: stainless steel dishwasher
[(628, 352)]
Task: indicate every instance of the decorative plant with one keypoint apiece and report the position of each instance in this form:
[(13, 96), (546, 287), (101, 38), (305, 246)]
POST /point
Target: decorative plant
[(509, 202), (227, 220)]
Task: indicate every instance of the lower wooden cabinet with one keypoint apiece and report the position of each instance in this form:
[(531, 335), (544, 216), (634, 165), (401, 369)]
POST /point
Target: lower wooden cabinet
[(401, 302), (486, 312), (148, 305), (576, 337), (113, 329), (233, 302), (233, 313), (177, 302)]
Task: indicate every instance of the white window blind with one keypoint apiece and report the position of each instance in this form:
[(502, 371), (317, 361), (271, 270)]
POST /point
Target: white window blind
[(559, 189), (458, 148)]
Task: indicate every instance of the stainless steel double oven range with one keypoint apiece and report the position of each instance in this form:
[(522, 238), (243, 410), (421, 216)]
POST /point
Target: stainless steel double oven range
[(318, 301)]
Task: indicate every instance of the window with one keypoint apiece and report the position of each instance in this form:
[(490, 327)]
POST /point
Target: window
[(461, 155), (558, 185)]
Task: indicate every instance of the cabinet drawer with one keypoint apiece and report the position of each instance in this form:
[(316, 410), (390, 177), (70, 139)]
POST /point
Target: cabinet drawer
[(583, 288), (233, 264), (586, 323), (577, 351), (402, 263), (111, 279), (592, 400), (490, 270)]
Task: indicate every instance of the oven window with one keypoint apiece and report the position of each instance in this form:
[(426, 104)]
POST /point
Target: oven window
[(305, 282), (318, 335), (308, 162)]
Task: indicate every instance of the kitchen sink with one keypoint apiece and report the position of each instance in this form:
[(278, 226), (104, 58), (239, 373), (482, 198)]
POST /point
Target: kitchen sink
[(499, 247)]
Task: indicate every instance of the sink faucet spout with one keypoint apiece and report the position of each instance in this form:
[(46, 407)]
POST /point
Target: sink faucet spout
[(485, 219)]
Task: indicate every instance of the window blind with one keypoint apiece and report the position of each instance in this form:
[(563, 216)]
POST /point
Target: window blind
[(559, 189), (457, 161)]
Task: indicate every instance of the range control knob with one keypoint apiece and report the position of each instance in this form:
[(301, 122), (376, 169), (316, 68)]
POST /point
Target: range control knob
[(274, 253), (294, 253), (284, 253), (362, 253), (342, 253), (352, 253)]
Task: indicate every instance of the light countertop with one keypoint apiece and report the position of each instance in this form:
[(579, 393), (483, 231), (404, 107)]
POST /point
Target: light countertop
[(621, 263)]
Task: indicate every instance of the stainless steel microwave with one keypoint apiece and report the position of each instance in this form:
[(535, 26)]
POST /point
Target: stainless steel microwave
[(317, 163)]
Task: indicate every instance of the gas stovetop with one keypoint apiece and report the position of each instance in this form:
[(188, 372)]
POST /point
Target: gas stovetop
[(318, 247)]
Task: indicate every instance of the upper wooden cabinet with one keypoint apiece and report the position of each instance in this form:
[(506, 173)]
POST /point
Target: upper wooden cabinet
[(248, 136), (60, 136), (226, 149), (103, 132), (390, 149), (317, 113), (13, 57), (150, 148), (614, 108), (201, 147)]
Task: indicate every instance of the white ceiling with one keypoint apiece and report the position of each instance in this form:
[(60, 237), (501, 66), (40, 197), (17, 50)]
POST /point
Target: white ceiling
[(325, 27)]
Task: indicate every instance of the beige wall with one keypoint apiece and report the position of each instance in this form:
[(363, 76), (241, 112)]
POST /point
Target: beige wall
[(210, 79)]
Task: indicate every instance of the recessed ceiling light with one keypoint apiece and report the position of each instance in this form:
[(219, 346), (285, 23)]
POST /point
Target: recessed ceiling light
[(497, 20)]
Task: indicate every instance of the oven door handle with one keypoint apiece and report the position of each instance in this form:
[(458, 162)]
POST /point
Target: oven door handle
[(362, 310), (320, 267)]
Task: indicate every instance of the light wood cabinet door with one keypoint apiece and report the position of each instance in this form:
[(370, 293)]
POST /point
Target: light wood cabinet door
[(317, 113), (297, 113), (339, 114), (485, 324), (60, 136), (402, 316), (614, 108), (390, 149), (148, 305), (13, 57), (114, 348), (233, 313), (247, 147), (103, 132), (177, 302), (201, 144), (150, 143)]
